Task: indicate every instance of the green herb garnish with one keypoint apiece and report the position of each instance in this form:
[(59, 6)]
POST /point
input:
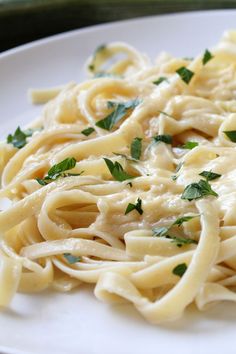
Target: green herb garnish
[(18, 139), (91, 67), (206, 57), (106, 74), (165, 138), (180, 241), (180, 269), (137, 206), (164, 231), (160, 231), (71, 259), (189, 145), (185, 74), (59, 170), (119, 112), (231, 134), (136, 148), (178, 167), (209, 175), (88, 131), (117, 170), (98, 50), (198, 190), (183, 219), (160, 80)]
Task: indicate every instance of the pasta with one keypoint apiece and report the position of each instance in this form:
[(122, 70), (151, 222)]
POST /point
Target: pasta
[(127, 181)]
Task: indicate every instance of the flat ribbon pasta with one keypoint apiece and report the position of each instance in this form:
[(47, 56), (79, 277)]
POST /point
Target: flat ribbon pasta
[(127, 181)]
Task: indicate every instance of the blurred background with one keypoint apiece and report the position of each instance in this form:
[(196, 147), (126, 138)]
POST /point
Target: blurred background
[(22, 21)]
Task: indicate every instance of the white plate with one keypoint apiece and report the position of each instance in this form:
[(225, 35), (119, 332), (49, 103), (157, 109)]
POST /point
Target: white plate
[(77, 322)]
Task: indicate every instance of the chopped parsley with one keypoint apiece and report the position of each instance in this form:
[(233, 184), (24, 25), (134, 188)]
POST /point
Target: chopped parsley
[(98, 50), (88, 131), (137, 206), (59, 170), (189, 145), (117, 171), (160, 80), (231, 134), (207, 57), (178, 167), (18, 139), (183, 219), (185, 74), (164, 231), (106, 74), (71, 259), (209, 175), (198, 190), (136, 148), (160, 231), (180, 269), (119, 112), (165, 138)]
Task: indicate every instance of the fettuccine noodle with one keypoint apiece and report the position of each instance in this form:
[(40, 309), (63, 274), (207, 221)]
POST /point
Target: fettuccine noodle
[(145, 208)]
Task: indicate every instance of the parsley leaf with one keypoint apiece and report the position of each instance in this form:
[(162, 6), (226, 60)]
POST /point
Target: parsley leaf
[(165, 138), (91, 67), (183, 219), (117, 170), (180, 269), (88, 131), (62, 166), (180, 241), (209, 175), (198, 190), (178, 167), (136, 148), (231, 134), (185, 74), (119, 112), (58, 170), (160, 80), (71, 259), (98, 50), (137, 206), (18, 139), (106, 74), (189, 145), (164, 231), (206, 57), (160, 231)]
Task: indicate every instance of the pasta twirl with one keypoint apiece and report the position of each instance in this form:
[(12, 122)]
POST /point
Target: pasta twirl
[(127, 181)]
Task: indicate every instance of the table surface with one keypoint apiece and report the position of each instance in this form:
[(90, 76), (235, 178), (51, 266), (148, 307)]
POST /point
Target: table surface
[(22, 21)]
